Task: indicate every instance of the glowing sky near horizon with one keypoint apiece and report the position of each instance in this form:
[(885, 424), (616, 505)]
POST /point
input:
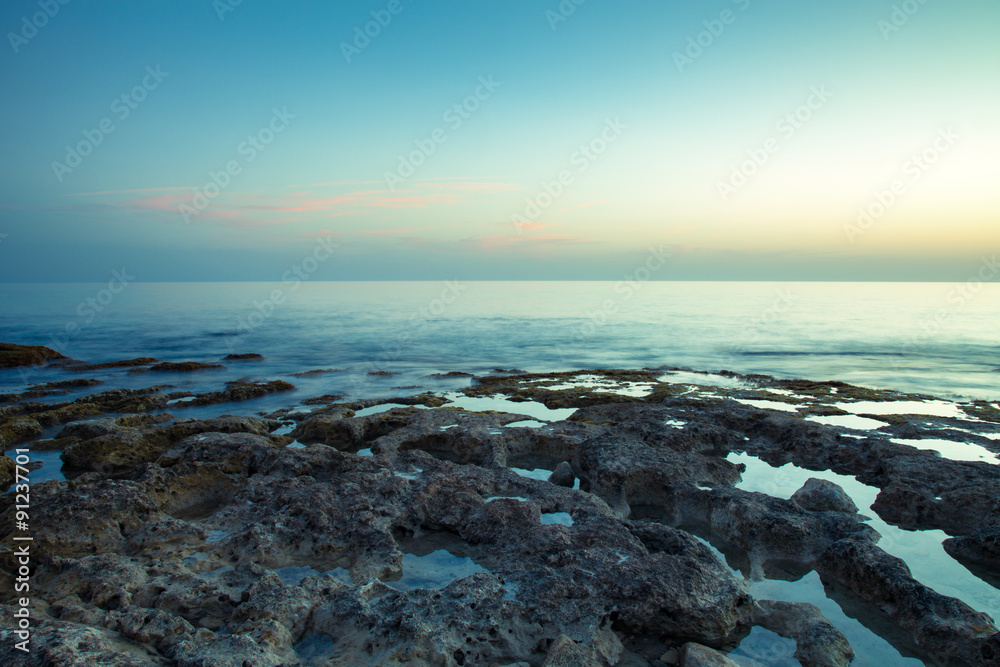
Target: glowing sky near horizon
[(578, 142)]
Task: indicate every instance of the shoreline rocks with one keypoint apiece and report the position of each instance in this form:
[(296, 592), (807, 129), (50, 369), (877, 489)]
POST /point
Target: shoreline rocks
[(438, 535)]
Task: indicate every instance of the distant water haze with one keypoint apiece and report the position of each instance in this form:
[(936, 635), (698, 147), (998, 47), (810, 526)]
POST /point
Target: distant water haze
[(920, 337)]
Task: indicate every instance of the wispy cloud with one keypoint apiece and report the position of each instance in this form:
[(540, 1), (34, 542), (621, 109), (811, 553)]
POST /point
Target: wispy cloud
[(188, 188), (395, 232), (252, 210)]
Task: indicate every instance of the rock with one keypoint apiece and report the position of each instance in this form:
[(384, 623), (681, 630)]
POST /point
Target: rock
[(209, 542), (14, 356), (981, 549), (7, 473), (695, 655), (817, 642), (122, 447), (820, 495), (19, 429), (56, 642), (125, 363), (565, 653), (240, 391), (563, 475), (182, 367), (942, 626), (670, 657), (251, 356), (326, 399)]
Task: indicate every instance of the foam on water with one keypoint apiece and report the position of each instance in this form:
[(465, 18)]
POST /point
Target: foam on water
[(706, 379)]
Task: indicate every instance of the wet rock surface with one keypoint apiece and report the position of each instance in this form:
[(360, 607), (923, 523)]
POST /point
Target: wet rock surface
[(416, 535), (14, 356)]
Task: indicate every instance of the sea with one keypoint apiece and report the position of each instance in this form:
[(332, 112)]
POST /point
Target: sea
[(929, 338), (382, 339)]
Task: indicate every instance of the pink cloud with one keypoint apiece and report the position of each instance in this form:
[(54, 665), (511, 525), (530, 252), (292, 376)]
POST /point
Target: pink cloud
[(478, 187), (127, 192), (415, 201), (395, 232)]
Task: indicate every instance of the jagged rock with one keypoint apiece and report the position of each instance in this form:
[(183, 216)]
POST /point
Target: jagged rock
[(7, 473), (696, 655), (982, 549), (943, 626), (817, 642), (566, 653), (19, 430), (13, 355), (563, 475), (820, 495), (182, 366), (124, 363), (120, 447), (213, 543), (240, 391), (66, 644)]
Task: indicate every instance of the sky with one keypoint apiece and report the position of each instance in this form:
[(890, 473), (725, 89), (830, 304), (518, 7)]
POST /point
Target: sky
[(202, 140)]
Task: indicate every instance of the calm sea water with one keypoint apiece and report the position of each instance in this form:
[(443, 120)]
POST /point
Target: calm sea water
[(932, 338)]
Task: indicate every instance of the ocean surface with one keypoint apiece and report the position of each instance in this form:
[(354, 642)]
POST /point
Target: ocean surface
[(934, 338)]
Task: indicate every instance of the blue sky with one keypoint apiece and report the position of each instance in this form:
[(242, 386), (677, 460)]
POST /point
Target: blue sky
[(798, 140)]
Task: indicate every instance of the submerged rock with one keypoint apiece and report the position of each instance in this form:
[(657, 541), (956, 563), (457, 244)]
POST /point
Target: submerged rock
[(14, 356), (820, 495), (182, 366), (696, 655)]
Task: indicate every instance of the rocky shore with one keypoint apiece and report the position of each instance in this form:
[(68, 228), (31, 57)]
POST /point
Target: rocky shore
[(607, 528)]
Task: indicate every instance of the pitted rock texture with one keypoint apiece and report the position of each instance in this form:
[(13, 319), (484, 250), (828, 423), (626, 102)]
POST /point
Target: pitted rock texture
[(209, 542)]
